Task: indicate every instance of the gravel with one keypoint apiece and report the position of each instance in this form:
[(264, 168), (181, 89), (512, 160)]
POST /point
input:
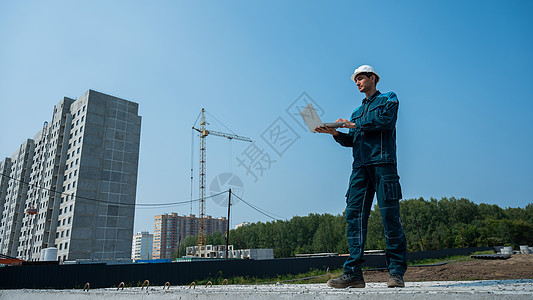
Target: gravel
[(482, 289)]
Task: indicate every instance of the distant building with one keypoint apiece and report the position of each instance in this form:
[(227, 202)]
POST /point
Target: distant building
[(171, 229), (242, 224), (73, 186), (142, 245), (219, 251)]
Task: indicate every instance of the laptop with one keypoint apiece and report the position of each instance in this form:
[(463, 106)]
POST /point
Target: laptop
[(312, 119)]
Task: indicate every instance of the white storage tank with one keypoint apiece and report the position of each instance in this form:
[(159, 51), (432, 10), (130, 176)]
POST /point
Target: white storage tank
[(49, 254)]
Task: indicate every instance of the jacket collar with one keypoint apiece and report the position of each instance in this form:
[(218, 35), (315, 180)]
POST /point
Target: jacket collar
[(368, 100)]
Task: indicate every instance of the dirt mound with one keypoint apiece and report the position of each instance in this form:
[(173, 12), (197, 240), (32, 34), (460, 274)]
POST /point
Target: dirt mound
[(516, 267)]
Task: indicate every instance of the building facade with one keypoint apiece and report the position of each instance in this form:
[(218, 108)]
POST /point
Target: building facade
[(142, 245), (171, 229), (242, 224), (15, 191), (73, 186)]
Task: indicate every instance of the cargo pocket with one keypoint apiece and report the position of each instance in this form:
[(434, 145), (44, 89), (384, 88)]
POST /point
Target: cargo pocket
[(349, 186), (391, 188)]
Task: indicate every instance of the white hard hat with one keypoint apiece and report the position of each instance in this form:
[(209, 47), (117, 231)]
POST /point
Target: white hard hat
[(365, 69)]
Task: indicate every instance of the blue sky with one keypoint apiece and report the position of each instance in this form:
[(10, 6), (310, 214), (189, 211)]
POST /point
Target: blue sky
[(461, 71)]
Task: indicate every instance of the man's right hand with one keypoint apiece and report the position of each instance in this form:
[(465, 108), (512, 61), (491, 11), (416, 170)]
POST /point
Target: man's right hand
[(347, 124), (328, 130)]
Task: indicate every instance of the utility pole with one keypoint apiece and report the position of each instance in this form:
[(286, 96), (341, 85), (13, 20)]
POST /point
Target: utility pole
[(227, 229), (179, 245)]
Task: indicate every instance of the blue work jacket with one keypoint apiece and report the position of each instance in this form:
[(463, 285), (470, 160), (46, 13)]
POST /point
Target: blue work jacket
[(373, 139)]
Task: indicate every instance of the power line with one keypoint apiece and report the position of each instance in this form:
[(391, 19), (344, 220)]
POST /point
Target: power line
[(261, 211), (147, 205), (108, 202)]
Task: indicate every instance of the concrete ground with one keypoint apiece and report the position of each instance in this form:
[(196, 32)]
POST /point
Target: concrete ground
[(485, 289)]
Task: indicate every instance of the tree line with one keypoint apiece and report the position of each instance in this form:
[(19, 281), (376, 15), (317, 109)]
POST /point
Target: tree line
[(428, 225)]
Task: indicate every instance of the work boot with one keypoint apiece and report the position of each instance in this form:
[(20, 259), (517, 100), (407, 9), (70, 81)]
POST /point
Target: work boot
[(347, 280), (395, 280)]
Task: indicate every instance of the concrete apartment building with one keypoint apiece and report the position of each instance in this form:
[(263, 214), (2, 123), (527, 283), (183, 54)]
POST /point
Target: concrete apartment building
[(73, 186), (17, 171), (142, 245), (171, 229)]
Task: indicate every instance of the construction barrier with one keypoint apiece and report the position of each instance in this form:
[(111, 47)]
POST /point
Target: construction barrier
[(102, 275)]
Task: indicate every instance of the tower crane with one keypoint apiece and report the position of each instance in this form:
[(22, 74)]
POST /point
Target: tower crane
[(203, 134)]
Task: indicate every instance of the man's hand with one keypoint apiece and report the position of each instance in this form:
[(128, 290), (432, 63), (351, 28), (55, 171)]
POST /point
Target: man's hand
[(347, 124), (328, 130)]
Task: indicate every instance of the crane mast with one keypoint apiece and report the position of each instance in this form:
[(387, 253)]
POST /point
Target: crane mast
[(201, 225), (202, 172)]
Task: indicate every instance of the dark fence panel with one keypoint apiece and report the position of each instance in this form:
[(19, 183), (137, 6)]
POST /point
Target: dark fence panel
[(102, 275)]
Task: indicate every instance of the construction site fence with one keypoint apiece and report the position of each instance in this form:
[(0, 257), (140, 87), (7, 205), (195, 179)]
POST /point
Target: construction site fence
[(76, 276)]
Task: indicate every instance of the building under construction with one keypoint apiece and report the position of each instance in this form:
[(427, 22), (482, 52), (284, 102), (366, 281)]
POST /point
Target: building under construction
[(171, 229), (71, 190)]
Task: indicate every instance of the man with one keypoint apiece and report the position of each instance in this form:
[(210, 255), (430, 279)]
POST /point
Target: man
[(372, 137)]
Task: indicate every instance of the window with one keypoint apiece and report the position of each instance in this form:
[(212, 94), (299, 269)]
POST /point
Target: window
[(84, 108), (68, 220), (68, 230)]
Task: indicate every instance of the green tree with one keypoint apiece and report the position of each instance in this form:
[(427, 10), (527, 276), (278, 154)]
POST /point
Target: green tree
[(440, 223)]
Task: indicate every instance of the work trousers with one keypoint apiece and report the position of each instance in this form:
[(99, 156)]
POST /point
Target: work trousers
[(366, 181)]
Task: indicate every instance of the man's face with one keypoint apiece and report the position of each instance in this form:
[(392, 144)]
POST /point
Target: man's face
[(364, 83)]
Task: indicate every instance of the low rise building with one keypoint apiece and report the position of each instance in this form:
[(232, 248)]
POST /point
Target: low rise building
[(219, 251)]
